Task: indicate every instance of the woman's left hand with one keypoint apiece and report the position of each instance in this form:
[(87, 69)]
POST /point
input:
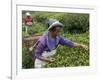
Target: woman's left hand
[(85, 47), (81, 46)]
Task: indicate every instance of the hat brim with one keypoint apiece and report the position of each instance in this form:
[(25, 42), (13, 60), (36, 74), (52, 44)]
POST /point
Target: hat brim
[(57, 24)]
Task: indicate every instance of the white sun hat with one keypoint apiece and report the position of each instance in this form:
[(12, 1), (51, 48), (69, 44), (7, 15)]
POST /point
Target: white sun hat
[(28, 14), (53, 23)]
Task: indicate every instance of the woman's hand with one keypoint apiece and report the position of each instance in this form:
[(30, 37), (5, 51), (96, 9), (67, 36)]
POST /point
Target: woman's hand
[(46, 59), (81, 46), (85, 47), (52, 60), (31, 48)]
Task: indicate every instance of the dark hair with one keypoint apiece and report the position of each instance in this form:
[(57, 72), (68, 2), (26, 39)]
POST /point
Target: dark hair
[(54, 28)]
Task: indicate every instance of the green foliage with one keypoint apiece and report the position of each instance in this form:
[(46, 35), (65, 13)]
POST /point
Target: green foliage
[(39, 28), (26, 59), (71, 57), (74, 22), (76, 29), (65, 56)]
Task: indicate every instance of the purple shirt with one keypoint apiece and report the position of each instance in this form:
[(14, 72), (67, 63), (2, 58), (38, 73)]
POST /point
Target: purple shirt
[(47, 44)]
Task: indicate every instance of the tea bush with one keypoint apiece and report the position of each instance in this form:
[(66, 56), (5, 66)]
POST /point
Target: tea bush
[(76, 29)]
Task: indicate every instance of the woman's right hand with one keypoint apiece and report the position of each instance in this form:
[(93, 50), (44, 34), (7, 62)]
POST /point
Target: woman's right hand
[(47, 59), (30, 49), (52, 60)]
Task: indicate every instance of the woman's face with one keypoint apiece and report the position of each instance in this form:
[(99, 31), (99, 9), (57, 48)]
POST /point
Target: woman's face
[(57, 31), (28, 16)]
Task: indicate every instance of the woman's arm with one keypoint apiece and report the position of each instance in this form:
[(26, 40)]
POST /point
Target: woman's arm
[(66, 42), (71, 44)]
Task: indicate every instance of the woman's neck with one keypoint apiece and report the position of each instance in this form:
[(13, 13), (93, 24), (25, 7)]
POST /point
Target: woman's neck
[(51, 35)]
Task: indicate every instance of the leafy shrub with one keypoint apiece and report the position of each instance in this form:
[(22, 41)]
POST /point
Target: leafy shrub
[(26, 59), (65, 56), (76, 23), (71, 57)]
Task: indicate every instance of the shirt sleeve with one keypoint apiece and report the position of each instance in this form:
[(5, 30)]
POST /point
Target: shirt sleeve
[(39, 49), (66, 42)]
